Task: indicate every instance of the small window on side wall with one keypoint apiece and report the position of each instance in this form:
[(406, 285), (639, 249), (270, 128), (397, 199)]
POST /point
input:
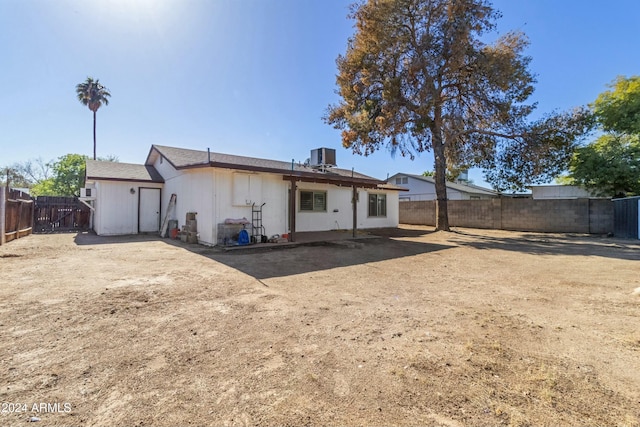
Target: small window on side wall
[(402, 180), (313, 201), (377, 204)]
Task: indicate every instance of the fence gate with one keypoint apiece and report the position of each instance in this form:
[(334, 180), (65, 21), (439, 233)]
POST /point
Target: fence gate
[(53, 214), (627, 217)]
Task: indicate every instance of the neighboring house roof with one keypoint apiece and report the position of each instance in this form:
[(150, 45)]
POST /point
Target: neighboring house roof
[(464, 188), (116, 171), (388, 186), (182, 158)]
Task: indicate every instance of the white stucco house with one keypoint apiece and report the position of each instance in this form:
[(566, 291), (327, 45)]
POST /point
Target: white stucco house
[(130, 196), (291, 197), (424, 188)]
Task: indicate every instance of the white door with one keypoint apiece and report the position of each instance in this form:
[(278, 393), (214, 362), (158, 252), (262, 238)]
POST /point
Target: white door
[(149, 210)]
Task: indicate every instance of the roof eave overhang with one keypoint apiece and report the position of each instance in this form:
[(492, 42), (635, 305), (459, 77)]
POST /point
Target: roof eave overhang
[(339, 181), (392, 188), (297, 175), (98, 178), (153, 148)]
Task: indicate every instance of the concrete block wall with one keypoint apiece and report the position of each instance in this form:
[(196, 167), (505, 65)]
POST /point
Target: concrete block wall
[(418, 213), (475, 213), (551, 216), (601, 216), (548, 216)]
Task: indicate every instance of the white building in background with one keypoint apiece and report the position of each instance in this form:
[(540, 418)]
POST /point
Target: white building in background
[(542, 192), (424, 188)]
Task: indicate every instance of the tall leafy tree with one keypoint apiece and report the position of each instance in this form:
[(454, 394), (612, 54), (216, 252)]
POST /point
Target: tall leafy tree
[(618, 109), (417, 76), (93, 94), (610, 166), (67, 177), (62, 177)]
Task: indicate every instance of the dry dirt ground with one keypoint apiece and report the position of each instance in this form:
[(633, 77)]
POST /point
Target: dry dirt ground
[(472, 327)]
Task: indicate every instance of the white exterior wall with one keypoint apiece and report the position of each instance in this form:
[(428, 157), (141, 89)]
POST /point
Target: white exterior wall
[(337, 198), (214, 195), (393, 210), (272, 190), (210, 193), (340, 198), (192, 190), (559, 192), (422, 190), (116, 209)]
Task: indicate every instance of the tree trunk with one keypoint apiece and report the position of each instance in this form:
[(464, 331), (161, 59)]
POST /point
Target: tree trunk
[(94, 135), (440, 165)]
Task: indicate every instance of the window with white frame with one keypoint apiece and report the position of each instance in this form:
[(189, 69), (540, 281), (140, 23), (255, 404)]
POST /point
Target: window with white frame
[(402, 180), (377, 204), (313, 201)]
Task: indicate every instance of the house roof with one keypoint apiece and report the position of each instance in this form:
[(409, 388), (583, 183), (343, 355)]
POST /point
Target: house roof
[(116, 171), (464, 188), (182, 158)]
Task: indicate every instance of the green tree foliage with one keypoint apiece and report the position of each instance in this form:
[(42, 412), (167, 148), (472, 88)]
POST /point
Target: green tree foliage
[(610, 166), (93, 94), (618, 109), (63, 177), (44, 188), (67, 177), (417, 76)]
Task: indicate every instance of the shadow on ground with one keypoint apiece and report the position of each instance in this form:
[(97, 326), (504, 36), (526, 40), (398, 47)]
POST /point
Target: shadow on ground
[(402, 232), (320, 256), (88, 238), (263, 262), (553, 244), (391, 243)]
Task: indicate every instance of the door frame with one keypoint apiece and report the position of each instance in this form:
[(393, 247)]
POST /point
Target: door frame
[(159, 207)]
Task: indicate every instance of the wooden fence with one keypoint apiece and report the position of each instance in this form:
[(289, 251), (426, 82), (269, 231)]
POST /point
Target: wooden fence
[(16, 214), (55, 214)]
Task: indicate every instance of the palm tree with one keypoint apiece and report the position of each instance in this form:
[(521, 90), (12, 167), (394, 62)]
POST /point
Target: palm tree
[(92, 94)]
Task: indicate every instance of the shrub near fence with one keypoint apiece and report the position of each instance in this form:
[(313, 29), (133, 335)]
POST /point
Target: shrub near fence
[(16, 212), (594, 216)]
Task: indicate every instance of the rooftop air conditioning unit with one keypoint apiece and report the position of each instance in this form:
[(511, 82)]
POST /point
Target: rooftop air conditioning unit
[(323, 157)]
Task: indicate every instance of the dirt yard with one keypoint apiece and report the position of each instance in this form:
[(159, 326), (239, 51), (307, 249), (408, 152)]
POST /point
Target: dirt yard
[(472, 327)]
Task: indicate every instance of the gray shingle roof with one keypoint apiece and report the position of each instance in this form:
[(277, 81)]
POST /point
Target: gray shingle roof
[(117, 171), (182, 158)]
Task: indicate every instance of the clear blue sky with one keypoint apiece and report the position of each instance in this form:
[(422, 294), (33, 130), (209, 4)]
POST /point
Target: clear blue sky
[(247, 77)]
